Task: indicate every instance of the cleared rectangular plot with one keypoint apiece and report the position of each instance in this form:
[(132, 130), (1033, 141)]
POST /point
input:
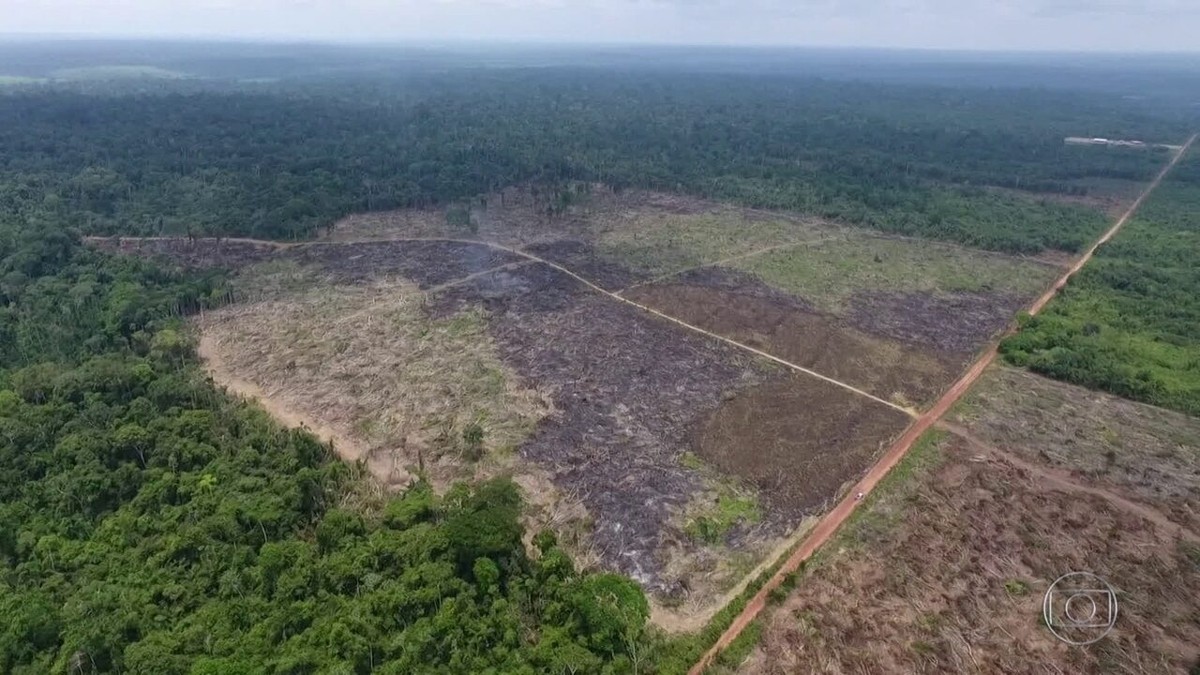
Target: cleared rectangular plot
[(742, 308), (832, 273), (896, 317)]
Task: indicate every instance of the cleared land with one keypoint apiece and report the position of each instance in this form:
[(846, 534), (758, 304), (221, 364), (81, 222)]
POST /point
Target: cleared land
[(369, 362), (612, 239), (1152, 455), (744, 309), (675, 458), (895, 455), (896, 317), (641, 427), (885, 596)]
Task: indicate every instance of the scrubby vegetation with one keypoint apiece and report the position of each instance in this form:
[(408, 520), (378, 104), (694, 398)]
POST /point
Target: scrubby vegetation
[(1128, 322)]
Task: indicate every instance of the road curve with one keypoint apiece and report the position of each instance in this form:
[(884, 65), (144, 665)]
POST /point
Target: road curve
[(840, 513)]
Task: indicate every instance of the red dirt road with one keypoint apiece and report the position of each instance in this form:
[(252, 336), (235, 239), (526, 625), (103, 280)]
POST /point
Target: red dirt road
[(835, 518)]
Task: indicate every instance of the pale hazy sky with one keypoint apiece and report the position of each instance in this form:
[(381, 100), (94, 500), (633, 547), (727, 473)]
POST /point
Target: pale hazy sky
[(1109, 25)]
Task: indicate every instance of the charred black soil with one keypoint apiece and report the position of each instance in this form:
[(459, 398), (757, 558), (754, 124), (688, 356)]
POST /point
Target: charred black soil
[(951, 323), (627, 389), (786, 327)]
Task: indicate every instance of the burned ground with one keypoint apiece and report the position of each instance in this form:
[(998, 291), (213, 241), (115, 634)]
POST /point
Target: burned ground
[(893, 316), (682, 452), (611, 238), (632, 396), (426, 263), (583, 259), (955, 324), (945, 568), (786, 327), (936, 298), (627, 390)]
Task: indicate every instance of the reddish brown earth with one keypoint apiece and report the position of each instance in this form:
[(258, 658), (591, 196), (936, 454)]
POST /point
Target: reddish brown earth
[(826, 528), (798, 440)]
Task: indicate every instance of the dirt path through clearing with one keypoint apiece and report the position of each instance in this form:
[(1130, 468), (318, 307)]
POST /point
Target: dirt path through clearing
[(835, 518), (1065, 482), (471, 277), (726, 261), (534, 258)]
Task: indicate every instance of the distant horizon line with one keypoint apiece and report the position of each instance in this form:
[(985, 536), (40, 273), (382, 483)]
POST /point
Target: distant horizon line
[(444, 43)]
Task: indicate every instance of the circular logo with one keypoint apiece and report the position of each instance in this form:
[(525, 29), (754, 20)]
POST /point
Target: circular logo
[(1080, 608)]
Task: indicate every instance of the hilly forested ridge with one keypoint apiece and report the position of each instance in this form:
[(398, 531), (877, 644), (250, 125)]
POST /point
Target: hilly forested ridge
[(151, 524)]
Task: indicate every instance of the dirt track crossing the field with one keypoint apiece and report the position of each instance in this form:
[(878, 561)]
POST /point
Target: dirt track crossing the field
[(835, 518), (725, 261), (536, 259), (471, 277), (1063, 481)]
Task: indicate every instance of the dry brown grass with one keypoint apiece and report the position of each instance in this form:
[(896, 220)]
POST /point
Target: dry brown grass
[(369, 363), (944, 569), (1152, 453)]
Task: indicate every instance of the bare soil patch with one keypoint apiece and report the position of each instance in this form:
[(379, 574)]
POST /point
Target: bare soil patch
[(798, 440), (750, 312), (946, 573)]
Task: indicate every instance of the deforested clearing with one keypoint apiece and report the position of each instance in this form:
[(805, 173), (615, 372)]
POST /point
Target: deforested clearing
[(455, 351), (945, 568), (740, 307), (367, 361)]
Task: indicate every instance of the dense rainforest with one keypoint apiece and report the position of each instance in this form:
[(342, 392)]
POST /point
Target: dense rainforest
[(283, 160), (1129, 322), (150, 524)]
